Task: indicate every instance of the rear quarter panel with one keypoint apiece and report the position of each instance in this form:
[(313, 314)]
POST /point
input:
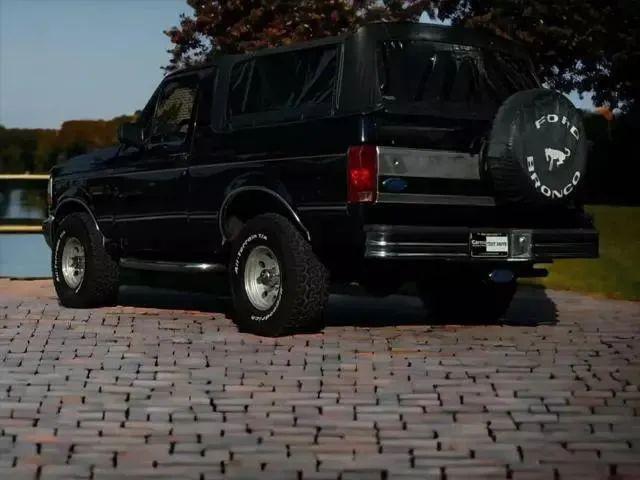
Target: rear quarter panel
[(304, 162)]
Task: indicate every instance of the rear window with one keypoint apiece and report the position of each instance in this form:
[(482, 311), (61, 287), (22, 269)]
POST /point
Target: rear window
[(440, 74), (302, 80)]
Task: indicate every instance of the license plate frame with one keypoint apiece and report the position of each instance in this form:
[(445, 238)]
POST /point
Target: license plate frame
[(489, 244)]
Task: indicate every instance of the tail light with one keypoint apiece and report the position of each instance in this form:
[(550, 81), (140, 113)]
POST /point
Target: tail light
[(363, 174)]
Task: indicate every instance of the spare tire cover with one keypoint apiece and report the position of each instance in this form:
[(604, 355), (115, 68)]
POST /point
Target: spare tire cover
[(537, 151)]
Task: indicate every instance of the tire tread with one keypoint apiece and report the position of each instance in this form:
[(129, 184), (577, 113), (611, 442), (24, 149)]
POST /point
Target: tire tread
[(312, 278), (102, 274)]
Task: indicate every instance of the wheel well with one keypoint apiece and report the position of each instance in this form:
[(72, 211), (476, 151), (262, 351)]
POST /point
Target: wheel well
[(243, 206), (67, 208)]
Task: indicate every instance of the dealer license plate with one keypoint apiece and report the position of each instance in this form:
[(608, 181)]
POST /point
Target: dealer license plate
[(489, 245)]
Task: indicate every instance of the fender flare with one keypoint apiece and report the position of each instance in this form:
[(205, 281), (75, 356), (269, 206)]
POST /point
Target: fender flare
[(84, 207), (274, 194)]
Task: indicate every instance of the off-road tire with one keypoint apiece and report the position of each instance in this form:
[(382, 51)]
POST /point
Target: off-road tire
[(304, 280), (99, 286), (469, 300)]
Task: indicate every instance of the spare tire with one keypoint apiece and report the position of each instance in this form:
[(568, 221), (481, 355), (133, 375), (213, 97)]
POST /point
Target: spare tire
[(537, 151)]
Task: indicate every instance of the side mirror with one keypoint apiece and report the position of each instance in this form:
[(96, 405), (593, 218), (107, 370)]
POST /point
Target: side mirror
[(130, 134)]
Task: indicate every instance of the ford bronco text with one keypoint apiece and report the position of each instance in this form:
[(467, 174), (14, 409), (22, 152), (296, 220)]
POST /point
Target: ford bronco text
[(402, 152)]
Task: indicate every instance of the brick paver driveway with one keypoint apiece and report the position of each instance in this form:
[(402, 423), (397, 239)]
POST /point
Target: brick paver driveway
[(381, 393)]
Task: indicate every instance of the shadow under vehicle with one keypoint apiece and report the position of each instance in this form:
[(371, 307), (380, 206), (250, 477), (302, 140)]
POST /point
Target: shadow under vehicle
[(402, 152)]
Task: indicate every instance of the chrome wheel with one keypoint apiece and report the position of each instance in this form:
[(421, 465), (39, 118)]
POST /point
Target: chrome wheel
[(73, 262), (262, 278)]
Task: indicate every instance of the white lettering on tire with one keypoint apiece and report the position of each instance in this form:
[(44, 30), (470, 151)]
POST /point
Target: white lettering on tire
[(56, 270), (250, 238), (544, 189), (268, 315), (553, 118), (236, 269)]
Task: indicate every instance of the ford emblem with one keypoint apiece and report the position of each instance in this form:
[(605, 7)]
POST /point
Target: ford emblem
[(395, 185)]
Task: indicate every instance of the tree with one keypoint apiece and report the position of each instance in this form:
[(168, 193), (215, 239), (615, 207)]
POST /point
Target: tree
[(583, 45), (237, 26), (37, 150)]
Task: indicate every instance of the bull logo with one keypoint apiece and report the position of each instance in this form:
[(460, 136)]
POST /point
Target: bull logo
[(556, 157)]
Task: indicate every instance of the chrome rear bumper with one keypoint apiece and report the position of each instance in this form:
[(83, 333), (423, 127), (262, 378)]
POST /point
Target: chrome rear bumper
[(453, 243)]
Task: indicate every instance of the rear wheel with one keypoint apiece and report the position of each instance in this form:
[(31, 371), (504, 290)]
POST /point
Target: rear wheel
[(84, 275), (472, 300), (278, 285)]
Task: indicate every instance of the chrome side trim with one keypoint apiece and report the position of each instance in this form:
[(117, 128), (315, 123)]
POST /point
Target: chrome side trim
[(151, 217), (172, 267), (409, 162), (427, 199), (384, 243), (233, 194), (320, 208), (385, 254)]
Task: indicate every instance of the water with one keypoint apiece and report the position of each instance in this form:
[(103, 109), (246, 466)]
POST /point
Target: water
[(23, 202), (24, 256)]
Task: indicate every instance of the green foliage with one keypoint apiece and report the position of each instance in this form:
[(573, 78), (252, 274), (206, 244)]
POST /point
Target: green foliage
[(232, 26), (615, 274), (583, 45), (612, 170), (37, 150)]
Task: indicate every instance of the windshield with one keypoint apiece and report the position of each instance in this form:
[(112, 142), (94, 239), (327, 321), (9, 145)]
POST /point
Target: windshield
[(449, 77)]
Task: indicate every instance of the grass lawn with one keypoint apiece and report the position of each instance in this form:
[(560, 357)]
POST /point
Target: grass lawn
[(616, 274)]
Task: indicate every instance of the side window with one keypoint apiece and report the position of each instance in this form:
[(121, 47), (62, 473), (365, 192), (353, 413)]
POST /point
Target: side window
[(241, 87), (284, 82), (317, 69), (173, 113), (146, 115)]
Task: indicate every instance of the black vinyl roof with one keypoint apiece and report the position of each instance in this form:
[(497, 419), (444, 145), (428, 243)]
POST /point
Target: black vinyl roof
[(358, 87), (441, 33), (384, 31)]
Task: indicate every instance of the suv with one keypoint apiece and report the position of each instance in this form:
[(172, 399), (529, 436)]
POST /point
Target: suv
[(402, 152)]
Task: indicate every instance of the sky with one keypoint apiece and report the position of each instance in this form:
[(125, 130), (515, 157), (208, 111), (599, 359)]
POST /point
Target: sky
[(80, 59), (83, 59)]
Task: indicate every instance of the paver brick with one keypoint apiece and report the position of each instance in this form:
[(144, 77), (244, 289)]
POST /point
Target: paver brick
[(129, 392)]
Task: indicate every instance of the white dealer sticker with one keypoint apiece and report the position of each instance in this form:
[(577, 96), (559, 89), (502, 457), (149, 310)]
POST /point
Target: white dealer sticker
[(497, 244)]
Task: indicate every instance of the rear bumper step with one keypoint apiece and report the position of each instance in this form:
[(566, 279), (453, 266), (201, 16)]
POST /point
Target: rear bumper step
[(454, 243)]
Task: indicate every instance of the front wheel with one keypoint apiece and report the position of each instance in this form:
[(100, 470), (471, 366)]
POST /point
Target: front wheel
[(473, 299), (278, 284), (84, 275)]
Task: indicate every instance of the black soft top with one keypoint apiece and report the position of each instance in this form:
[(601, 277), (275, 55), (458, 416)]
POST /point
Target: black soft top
[(385, 31), (438, 33), (359, 87)]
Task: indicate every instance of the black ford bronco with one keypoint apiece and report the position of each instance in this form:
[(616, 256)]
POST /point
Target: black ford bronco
[(402, 152)]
